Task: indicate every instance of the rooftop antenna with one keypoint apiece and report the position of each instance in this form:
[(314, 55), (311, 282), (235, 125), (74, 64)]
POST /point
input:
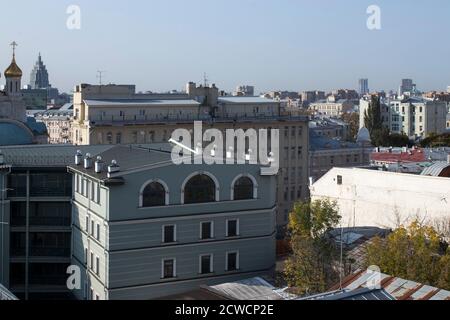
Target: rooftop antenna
[(205, 80), (100, 74)]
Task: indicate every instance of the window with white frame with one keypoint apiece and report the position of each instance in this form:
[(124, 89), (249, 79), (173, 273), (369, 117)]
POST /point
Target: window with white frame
[(232, 261), (169, 234), (169, 268), (206, 264), (206, 230), (232, 228)]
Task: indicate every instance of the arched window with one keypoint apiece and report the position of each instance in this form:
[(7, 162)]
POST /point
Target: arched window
[(244, 189), (200, 189), (154, 195)]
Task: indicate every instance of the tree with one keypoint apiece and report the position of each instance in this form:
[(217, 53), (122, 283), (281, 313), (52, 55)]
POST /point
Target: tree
[(372, 116), (374, 123), (414, 253), (352, 119), (310, 269)]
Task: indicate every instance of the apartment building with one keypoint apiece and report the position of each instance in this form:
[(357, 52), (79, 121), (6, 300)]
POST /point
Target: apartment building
[(58, 123), (35, 220), (416, 117), (331, 107), (115, 114), (145, 228)]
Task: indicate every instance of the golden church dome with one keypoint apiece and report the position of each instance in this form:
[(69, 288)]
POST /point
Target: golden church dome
[(13, 70)]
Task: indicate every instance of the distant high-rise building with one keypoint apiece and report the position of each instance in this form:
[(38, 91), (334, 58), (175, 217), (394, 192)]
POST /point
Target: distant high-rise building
[(247, 91), (363, 86), (448, 89), (39, 75), (407, 86)]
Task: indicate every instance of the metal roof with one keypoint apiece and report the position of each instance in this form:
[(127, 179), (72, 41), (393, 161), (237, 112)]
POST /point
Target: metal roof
[(5, 294), (398, 288), (318, 142), (128, 158), (249, 289), (362, 294), (246, 100), (136, 102), (46, 155), (436, 169)]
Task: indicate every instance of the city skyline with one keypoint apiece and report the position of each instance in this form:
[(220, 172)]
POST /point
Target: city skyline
[(162, 45)]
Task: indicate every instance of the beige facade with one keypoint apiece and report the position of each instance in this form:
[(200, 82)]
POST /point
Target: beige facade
[(116, 115), (332, 108), (415, 117)]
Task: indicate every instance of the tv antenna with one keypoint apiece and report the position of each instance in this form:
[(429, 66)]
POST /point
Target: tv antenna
[(100, 74), (205, 80)]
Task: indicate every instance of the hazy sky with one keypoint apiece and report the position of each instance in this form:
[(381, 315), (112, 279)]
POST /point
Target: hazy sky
[(296, 45)]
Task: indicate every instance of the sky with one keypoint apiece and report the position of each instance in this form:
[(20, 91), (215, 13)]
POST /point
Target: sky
[(297, 45)]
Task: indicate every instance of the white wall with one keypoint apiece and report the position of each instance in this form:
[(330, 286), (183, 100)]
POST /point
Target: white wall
[(382, 199)]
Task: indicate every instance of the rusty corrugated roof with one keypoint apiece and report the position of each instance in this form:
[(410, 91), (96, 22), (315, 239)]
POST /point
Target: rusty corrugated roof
[(398, 288)]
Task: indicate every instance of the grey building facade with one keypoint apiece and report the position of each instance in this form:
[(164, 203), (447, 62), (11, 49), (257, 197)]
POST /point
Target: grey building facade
[(35, 219), (144, 228)]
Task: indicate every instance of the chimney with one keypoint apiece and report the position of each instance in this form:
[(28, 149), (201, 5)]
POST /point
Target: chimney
[(88, 161), (113, 167), (99, 164), (78, 158)]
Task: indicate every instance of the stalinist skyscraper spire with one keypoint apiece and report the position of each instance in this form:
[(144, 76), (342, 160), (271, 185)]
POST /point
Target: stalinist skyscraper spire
[(39, 75)]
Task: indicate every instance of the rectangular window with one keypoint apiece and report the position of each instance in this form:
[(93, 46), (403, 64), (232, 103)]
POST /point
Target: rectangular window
[(82, 186), (206, 264), (77, 184), (339, 180), (169, 234), (92, 228), (91, 262), (98, 193), (97, 266), (232, 261), (168, 268), (206, 230), (86, 257), (98, 232), (232, 228), (87, 224), (93, 191)]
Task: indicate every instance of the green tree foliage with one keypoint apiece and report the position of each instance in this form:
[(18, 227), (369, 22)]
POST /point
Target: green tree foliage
[(352, 119), (434, 140), (414, 253), (310, 268)]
